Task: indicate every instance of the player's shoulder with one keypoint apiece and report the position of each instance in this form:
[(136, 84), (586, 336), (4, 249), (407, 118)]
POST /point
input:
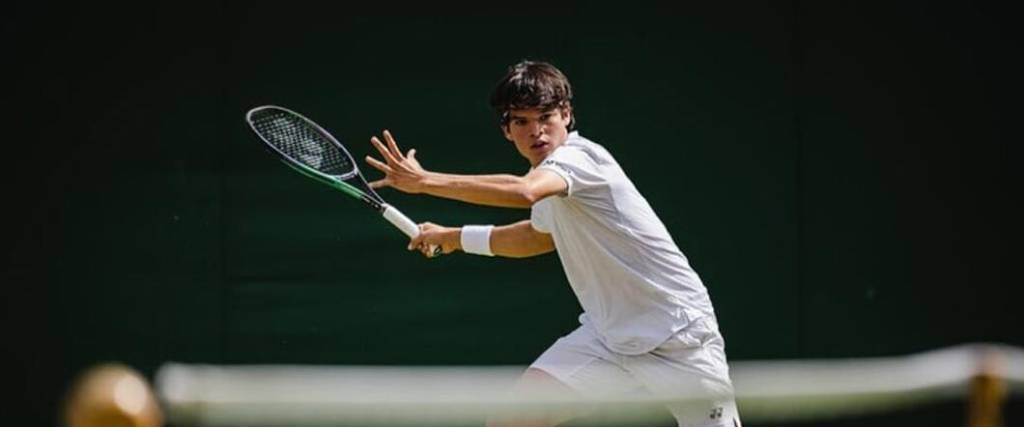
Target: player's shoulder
[(566, 153), (580, 148)]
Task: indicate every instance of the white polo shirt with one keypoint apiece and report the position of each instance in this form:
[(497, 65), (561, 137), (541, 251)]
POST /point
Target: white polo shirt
[(635, 286)]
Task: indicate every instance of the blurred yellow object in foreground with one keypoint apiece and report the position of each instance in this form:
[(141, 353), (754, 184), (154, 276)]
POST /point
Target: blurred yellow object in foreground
[(111, 395)]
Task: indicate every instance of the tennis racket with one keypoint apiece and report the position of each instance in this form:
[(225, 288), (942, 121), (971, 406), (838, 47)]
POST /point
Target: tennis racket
[(311, 150)]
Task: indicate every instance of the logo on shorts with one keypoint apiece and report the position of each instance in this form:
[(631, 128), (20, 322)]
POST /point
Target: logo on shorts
[(716, 413)]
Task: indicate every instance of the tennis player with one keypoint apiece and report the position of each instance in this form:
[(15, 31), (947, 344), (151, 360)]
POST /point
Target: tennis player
[(648, 325)]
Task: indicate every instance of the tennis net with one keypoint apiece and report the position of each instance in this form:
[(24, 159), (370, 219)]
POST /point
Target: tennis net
[(766, 391)]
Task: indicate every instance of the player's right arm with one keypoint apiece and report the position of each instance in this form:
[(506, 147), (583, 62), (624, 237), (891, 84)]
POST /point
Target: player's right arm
[(517, 240)]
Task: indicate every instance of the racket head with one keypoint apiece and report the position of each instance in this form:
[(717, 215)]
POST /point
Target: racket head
[(309, 149)]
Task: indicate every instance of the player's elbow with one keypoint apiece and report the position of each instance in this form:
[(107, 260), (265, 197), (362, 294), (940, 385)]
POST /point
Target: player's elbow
[(527, 195), (540, 184), (530, 192)]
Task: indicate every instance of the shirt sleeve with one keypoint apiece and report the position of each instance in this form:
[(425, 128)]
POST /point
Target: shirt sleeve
[(575, 167), (540, 216)]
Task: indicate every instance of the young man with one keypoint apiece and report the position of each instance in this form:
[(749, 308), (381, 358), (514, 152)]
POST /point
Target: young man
[(648, 323)]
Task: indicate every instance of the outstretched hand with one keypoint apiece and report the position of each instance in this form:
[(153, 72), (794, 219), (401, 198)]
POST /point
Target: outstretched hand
[(402, 172)]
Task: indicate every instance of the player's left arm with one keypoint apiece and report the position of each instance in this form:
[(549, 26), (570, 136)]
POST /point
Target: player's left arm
[(517, 240), (403, 172)]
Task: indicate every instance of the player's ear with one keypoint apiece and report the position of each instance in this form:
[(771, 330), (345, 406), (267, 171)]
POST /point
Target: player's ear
[(505, 131)]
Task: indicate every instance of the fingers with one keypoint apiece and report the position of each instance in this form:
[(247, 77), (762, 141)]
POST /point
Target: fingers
[(393, 145), (415, 242), (425, 241), (429, 251), (384, 151), (378, 165), (384, 182), (411, 154), (421, 248)]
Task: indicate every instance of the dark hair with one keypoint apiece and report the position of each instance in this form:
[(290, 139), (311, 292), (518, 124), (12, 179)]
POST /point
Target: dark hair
[(532, 84)]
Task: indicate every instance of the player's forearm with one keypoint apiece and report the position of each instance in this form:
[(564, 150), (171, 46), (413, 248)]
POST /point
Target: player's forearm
[(492, 190), (520, 240)]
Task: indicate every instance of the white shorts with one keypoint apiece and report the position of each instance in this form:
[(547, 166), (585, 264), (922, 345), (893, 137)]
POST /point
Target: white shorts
[(690, 362)]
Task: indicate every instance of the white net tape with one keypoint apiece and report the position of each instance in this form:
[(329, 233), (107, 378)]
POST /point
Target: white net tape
[(266, 395)]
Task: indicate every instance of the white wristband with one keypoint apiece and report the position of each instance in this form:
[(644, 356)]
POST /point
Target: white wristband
[(476, 239)]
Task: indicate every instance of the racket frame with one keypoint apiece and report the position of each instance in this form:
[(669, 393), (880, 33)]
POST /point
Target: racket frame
[(390, 213), (337, 181)]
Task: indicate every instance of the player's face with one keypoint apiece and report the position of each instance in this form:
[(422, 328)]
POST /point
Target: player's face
[(536, 133)]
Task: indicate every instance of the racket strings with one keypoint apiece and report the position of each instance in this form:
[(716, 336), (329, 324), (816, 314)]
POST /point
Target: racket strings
[(302, 142)]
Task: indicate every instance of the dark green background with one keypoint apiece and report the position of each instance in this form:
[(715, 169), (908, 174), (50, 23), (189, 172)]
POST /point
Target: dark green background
[(838, 175)]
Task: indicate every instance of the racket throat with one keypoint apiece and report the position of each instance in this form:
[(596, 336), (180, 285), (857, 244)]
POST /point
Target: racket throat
[(380, 207)]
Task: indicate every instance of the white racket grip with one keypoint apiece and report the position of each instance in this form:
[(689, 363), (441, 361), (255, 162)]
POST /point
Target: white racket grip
[(408, 227), (401, 221)]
